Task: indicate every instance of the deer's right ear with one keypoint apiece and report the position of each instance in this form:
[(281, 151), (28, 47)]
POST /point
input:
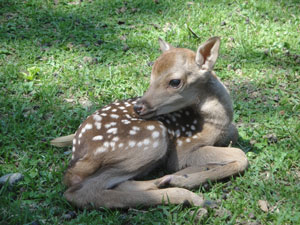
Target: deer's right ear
[(164, 46)]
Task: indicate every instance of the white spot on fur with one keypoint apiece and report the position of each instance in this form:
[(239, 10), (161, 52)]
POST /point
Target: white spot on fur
[(139, 144), (187, 113), (173, 118), (195, 136), (125, 121), (136, 128), (179, 142), (177, 132), (80, 135), (88, 126), (100, 150), (73, 149), (110, 124), (195, 122), (74, 141), (112, 130), (168, 121), (188, 140), (150, 127), (103, 114), (121, 145), (97, 138), (183, 128), (106, 144), (177, 115), (115, 139), (189, 133), (132, 132), (112, 144), (146, 141), (193, 127), (125, 111), (122, 107), (97, 117), (131, 143), (98, 125), (114, 116), (107, 108), (155, 134)]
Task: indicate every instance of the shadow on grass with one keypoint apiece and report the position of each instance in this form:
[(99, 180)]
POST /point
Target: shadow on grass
[(87, 24)]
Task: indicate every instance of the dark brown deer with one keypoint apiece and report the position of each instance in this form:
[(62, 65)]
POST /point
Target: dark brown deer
[(180, 123)]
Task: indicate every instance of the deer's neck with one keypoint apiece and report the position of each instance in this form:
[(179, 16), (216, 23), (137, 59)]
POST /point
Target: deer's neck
[(214, 103)]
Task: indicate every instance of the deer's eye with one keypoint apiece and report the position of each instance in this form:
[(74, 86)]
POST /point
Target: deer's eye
[(175, 83)]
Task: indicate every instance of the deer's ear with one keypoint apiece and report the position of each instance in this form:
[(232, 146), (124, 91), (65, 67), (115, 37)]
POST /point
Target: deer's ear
[(164, 46), (208, 53)]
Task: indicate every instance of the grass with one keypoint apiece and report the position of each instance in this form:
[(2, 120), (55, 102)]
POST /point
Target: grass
[(61, 60)]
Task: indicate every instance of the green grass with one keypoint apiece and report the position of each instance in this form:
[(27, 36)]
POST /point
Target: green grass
[(60, 62)]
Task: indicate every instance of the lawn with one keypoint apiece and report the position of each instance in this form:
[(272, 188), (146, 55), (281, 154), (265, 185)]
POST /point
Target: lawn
[(60, 60)]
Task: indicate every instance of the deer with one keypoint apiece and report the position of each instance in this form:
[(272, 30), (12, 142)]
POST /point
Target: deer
[(182, 123)]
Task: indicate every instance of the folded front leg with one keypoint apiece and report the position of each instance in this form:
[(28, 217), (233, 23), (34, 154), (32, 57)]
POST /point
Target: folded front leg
[(207, 163)]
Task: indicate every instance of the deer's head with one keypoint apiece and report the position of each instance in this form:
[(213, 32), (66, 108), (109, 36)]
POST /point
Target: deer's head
[(177, 75)]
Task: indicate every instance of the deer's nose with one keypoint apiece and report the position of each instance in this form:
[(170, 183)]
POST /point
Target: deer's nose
[(139, 108)]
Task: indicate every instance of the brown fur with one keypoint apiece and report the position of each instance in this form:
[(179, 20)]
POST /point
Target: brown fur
[(178, 127)]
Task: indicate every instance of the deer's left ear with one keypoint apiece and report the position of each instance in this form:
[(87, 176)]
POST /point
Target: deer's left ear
[(164, 46), (208, 53)]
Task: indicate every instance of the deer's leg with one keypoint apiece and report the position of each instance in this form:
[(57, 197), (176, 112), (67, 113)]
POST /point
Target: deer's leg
[(89, 194), (220, 162)]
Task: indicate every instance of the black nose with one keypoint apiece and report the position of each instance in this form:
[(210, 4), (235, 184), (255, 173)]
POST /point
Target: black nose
[(139, 108)]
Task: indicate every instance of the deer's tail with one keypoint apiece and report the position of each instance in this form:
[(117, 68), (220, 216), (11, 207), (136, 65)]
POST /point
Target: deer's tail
[(63, 141)]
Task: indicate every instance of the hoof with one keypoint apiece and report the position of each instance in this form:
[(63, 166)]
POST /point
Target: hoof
[(165, 181)]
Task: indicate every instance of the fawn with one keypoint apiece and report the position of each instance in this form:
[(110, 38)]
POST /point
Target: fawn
[(179, 123)]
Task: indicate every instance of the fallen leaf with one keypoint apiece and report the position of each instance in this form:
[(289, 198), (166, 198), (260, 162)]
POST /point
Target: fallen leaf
[(121, 10), (125, 48), (69, 100), (263, 205), (85, 103), (199, 214), (123, 38), (167, 27), (221, 212), (282, 112), (74, 3), (87, 59), (271, 138)]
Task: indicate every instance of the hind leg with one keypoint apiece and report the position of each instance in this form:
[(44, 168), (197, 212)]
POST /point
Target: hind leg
[(89, 194)]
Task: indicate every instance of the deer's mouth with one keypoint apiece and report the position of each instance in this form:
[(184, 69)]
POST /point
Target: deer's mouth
[(147, 114), (144, 110)]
